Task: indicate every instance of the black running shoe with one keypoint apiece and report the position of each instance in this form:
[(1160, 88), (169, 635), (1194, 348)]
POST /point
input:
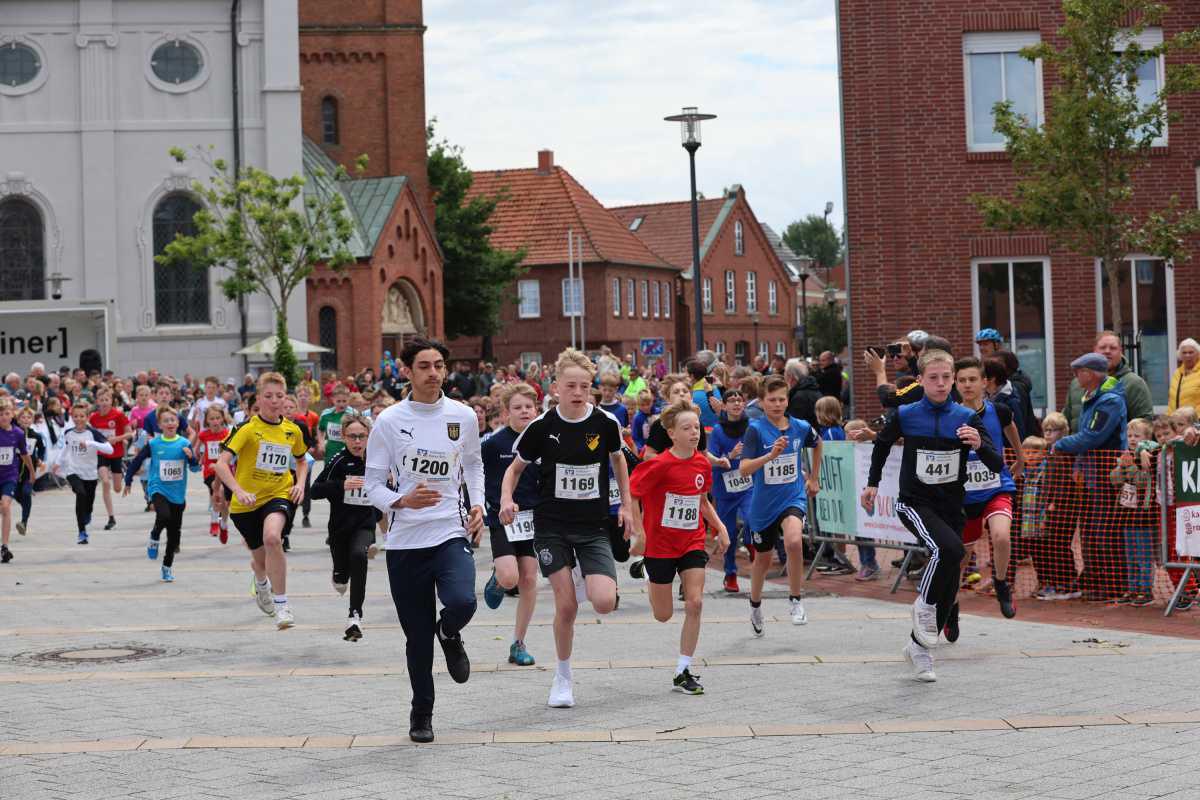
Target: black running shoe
[(112, 523), (304, 523), (287, 545), (688, 683), (637, 570), (951, 629), (353, 629), (1005, 599), (457, 663), (5, 554), (420, 727)]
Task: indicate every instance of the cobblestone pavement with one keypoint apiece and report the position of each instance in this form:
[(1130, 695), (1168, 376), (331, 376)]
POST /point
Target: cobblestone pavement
[(224, 706)]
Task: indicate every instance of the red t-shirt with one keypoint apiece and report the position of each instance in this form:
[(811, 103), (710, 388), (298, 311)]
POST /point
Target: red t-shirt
[(671, 490), (210, 448), (112, 424)]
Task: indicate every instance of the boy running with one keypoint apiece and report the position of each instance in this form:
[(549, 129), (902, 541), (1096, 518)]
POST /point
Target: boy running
[(329, 427), (170, 455), (732, 489), (14, 458), (35, 446)]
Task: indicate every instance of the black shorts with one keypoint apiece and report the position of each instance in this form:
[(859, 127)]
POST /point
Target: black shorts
[(115, 465), (562, 545), (501, 546), (250, 523), (766, 539), (209, 482), (616, 539), (663, 570)]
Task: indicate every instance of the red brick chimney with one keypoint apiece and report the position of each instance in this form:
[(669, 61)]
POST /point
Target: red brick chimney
[(545, 162)]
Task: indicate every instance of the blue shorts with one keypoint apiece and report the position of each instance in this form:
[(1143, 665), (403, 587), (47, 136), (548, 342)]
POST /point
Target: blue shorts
[(8, 489)]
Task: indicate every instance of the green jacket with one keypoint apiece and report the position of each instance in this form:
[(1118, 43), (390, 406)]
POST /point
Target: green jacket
[(1137, 397)]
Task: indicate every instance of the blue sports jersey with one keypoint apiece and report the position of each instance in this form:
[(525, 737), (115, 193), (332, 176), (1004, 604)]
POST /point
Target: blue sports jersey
[(641, 429), (729, 487), (497, 454), (708, 417), (779, 484), (619, 411), (983, 484), (168, 468)]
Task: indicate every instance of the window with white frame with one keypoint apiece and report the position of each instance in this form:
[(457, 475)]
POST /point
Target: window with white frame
[(616, 296), (739, 240), (529, 293), (1013, 296), (1151, 74), (645, 299), (1146, 290), (781, 349), (752, 291), (665, 288), (630, 306), (572, 293), (656, 300), (995, 72), (720, 348), (530, 358), (730, 291), (772, 297), (741, 349), (764, 349), (708, 295)]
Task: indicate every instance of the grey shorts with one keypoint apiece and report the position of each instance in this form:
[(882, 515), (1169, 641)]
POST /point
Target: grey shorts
[(560, 545)]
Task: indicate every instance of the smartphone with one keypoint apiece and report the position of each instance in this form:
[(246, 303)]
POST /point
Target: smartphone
[(879, 351), (893, 350)]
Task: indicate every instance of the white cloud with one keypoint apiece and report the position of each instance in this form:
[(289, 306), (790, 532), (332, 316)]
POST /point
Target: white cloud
[(593, 80)]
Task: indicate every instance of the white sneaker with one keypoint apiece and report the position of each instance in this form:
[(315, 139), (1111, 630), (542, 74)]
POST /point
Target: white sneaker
[(756, 620), (561, 694), (265, 599), (921, 660), (925, 627), (580, 585), (284, 618), (799, 616), (340, 588)]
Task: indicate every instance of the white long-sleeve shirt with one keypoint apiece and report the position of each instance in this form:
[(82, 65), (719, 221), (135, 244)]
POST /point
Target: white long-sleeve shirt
[(78, 455), (432, 443)]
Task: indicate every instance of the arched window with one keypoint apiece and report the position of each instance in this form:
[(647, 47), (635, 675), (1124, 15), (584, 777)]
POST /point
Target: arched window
[(22, 251), (329, 121), (180, 290), (327, 336)]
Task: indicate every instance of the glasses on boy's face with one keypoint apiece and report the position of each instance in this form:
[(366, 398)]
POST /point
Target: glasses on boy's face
[(355, 437)]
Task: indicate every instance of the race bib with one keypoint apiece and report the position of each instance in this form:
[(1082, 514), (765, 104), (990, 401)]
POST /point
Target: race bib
[(681, 511), (79, 447), (521, 528), (333, 431), (736, 482), (429, 466), (577, 482), (6, 456), (273, 458), (980, 478), (110, 434), (1127, 499), (937, 466), (30, 444), (614, 492), (170, 470), (356, 497), (781, 470)]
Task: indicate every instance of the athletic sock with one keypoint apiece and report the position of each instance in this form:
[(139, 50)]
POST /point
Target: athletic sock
[(794, 597), (214, 516), (683, 663), (564, 669), (281, 599), (263, 584), (755, 603)]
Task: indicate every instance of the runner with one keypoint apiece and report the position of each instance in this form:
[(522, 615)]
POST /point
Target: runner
[(78, 463), (208, 444), (771, 454), (14, 459), (938, 435), (672, 491), (113, 423), (572, 444), (264, 491), (170, 455), (200, 410), (731, 489), (35, 445), (311, 419), (352, 518), (429, 445), (329, 427), (989, 495)]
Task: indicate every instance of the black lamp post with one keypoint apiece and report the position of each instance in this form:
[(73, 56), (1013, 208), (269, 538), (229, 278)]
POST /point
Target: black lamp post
[(754, 322), (689, 128), (803, 264)]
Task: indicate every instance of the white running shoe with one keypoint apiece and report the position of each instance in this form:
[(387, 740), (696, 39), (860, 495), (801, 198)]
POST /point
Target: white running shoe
[(925, 627), (265, 599), (756, 620), (580, 585), (921, 660), (284, 618), (340, 588), (561, 694), (799, 615)]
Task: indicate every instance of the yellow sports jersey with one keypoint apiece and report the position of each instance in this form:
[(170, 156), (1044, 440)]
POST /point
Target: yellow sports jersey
[(264, 452)]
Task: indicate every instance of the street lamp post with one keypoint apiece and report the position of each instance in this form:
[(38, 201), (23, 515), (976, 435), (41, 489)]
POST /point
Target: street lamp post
[(689, 128), (804, 264), (754, 322)]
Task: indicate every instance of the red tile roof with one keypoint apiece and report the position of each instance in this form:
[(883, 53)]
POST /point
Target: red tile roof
[(666, 228), (539, 209)]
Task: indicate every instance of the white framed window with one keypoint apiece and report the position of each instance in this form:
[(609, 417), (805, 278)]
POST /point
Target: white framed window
[(739, 239), (720, 348), (1013, 296), (1147, 296), (656, 300), (530, 305), (645, 299), (741, 350), (752, 291), (177, 64), (572, 294), (1151, 75), (730, 291), (764, 349), (781, 349), (995, 71), (616, 297), (665, 288), (772, 297), (630, 307), (530, 358), (708, 295)]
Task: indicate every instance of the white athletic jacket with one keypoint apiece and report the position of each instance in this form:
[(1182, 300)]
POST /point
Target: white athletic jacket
[(78, 454)]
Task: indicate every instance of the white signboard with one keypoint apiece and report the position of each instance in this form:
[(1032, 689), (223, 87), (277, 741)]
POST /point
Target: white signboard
[(883, 525), (54, 333), (1187, 531)]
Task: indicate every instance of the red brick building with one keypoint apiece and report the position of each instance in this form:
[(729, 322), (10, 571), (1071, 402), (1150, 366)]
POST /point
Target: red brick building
[(362, 67), (748, 293), (628, 292), (918, 84)]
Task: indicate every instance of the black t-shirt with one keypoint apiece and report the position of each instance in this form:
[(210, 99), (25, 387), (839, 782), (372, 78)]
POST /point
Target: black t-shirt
[(572, 458), (661, 442)]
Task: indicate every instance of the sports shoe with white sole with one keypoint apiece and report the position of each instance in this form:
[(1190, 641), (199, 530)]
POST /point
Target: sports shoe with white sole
[(353, 628), (799, 615), (264, 598), (921, 660), (756, 620), (284, 618), (925, 627), (561, 694)]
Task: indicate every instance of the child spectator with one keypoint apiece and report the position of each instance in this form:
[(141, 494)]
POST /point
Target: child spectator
[(1134, 474), (643, 419), (829, 419), (1051, 521)]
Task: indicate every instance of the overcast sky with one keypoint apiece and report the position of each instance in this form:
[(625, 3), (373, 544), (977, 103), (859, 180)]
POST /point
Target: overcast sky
[(592, 80)]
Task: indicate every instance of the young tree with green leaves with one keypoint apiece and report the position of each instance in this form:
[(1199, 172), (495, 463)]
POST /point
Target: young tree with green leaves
[(816, 238), (826, 328), (477, 278), (253, 227), (1076, 172)]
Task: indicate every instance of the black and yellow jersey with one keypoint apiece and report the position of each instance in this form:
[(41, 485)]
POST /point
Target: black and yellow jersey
[(264, 452)]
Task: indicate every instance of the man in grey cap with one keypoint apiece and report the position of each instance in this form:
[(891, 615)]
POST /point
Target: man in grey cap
[(1137, 394), (1096, 447)]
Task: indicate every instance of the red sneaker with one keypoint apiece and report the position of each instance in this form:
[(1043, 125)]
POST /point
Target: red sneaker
[(224, 535), (212, 528), (731, 584)]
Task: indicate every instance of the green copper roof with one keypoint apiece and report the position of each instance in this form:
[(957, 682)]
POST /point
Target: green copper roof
[(369, 201), (730, 202)]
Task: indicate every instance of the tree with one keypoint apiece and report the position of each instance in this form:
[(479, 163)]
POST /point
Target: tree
[(816, 238), (477, 278), (1076, 172), (253, 228), (826, 329)]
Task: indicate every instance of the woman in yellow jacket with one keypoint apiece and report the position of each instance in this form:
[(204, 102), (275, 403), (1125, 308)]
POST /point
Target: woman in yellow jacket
[(1185, 383)]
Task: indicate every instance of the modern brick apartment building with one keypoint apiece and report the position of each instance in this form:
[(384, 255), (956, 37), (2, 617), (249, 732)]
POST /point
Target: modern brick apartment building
[(918, 84)]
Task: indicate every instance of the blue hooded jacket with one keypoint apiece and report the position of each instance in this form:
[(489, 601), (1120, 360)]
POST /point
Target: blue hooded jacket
[(1101, 432)]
